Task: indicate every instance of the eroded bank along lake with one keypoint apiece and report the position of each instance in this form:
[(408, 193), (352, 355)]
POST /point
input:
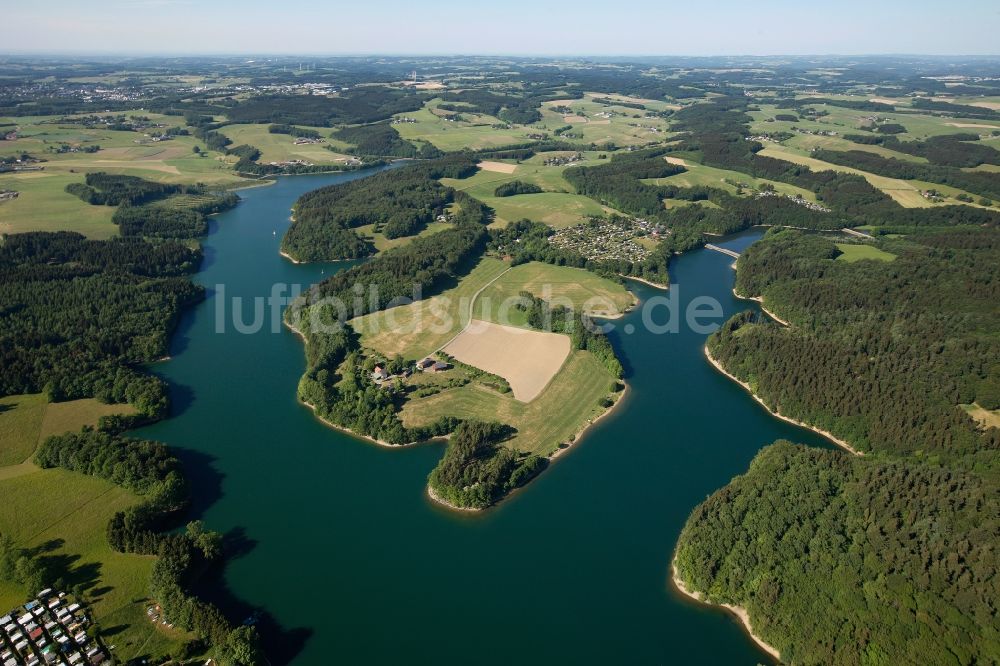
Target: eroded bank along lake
[(353, 562)]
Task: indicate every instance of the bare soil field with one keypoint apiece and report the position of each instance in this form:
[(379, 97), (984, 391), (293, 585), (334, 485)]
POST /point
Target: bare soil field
[(528, 360), (498, 167), (978, 125)]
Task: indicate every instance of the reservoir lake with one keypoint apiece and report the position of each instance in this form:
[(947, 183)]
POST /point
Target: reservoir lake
[(341, 556)]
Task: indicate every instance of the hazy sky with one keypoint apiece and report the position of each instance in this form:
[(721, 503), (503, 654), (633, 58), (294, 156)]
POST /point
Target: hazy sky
[(631, 27)]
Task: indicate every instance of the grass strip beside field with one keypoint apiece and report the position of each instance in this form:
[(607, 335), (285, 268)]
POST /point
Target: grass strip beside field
[(566, 406)]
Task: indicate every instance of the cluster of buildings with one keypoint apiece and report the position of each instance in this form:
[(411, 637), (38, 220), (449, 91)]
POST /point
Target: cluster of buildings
[(563, 160), (404, 120), (291, 163), (604, 239), (797, 199), (7, 195), (381, 374), (763, 138), (49, 630), (802, 130), (302, 140), (23, 162)]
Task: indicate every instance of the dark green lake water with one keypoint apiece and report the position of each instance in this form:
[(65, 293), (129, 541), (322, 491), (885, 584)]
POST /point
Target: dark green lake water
[(353, 563)]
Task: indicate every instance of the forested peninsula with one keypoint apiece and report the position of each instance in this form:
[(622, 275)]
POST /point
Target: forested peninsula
[(886, 557)]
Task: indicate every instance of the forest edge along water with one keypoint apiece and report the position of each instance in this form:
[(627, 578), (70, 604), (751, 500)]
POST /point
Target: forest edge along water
[(350, 561)]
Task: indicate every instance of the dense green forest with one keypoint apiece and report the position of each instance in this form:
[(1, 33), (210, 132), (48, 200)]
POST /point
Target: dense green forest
[(477, 471), (951, 150), (382, 140), (154, 210), (880, 353), (398, 203), (841, 560), (102, 189), (885, 558), (983, 183), (367, 104), (79, 315), (516, 187), (292, 130)]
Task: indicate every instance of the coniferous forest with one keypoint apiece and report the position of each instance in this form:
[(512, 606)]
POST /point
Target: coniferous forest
[(887, 557)]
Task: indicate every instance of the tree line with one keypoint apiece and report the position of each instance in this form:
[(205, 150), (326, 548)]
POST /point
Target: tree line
[(150, 470), (887, 557), (397, 203), (81, 315)]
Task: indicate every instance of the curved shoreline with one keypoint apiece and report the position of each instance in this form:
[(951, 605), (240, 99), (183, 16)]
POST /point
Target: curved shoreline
[(741, 613), (583, 431), (448, 505), (830, 436), (289, 257), (551, 457), (430, 492), (646, 282), (760, 300)]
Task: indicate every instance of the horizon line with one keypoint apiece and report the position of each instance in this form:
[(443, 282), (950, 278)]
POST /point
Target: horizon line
[(402, 54)]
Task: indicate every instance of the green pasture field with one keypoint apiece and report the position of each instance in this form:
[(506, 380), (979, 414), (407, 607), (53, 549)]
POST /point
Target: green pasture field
[(282, 148), (857, 251), (65, 515), (422, 327), (565, 406), (558, 206), (574, 287), (474, 132), (701, 175)]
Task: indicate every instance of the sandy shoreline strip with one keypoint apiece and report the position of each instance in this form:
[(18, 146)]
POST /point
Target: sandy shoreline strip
[(830, 436), (448, 505), (740, 612), (289, 257), (646, 282), (758, 299)]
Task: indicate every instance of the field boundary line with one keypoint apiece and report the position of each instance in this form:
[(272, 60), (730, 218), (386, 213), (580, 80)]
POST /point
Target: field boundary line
[(472, 309)]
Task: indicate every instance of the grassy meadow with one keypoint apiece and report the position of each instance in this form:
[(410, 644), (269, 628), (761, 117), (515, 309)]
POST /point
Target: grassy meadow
[(475, 131), (558, 206), (282, 148), (581, 289), (422, 327), (857, 251), (43, 205), (64, 516), (565, 406)]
